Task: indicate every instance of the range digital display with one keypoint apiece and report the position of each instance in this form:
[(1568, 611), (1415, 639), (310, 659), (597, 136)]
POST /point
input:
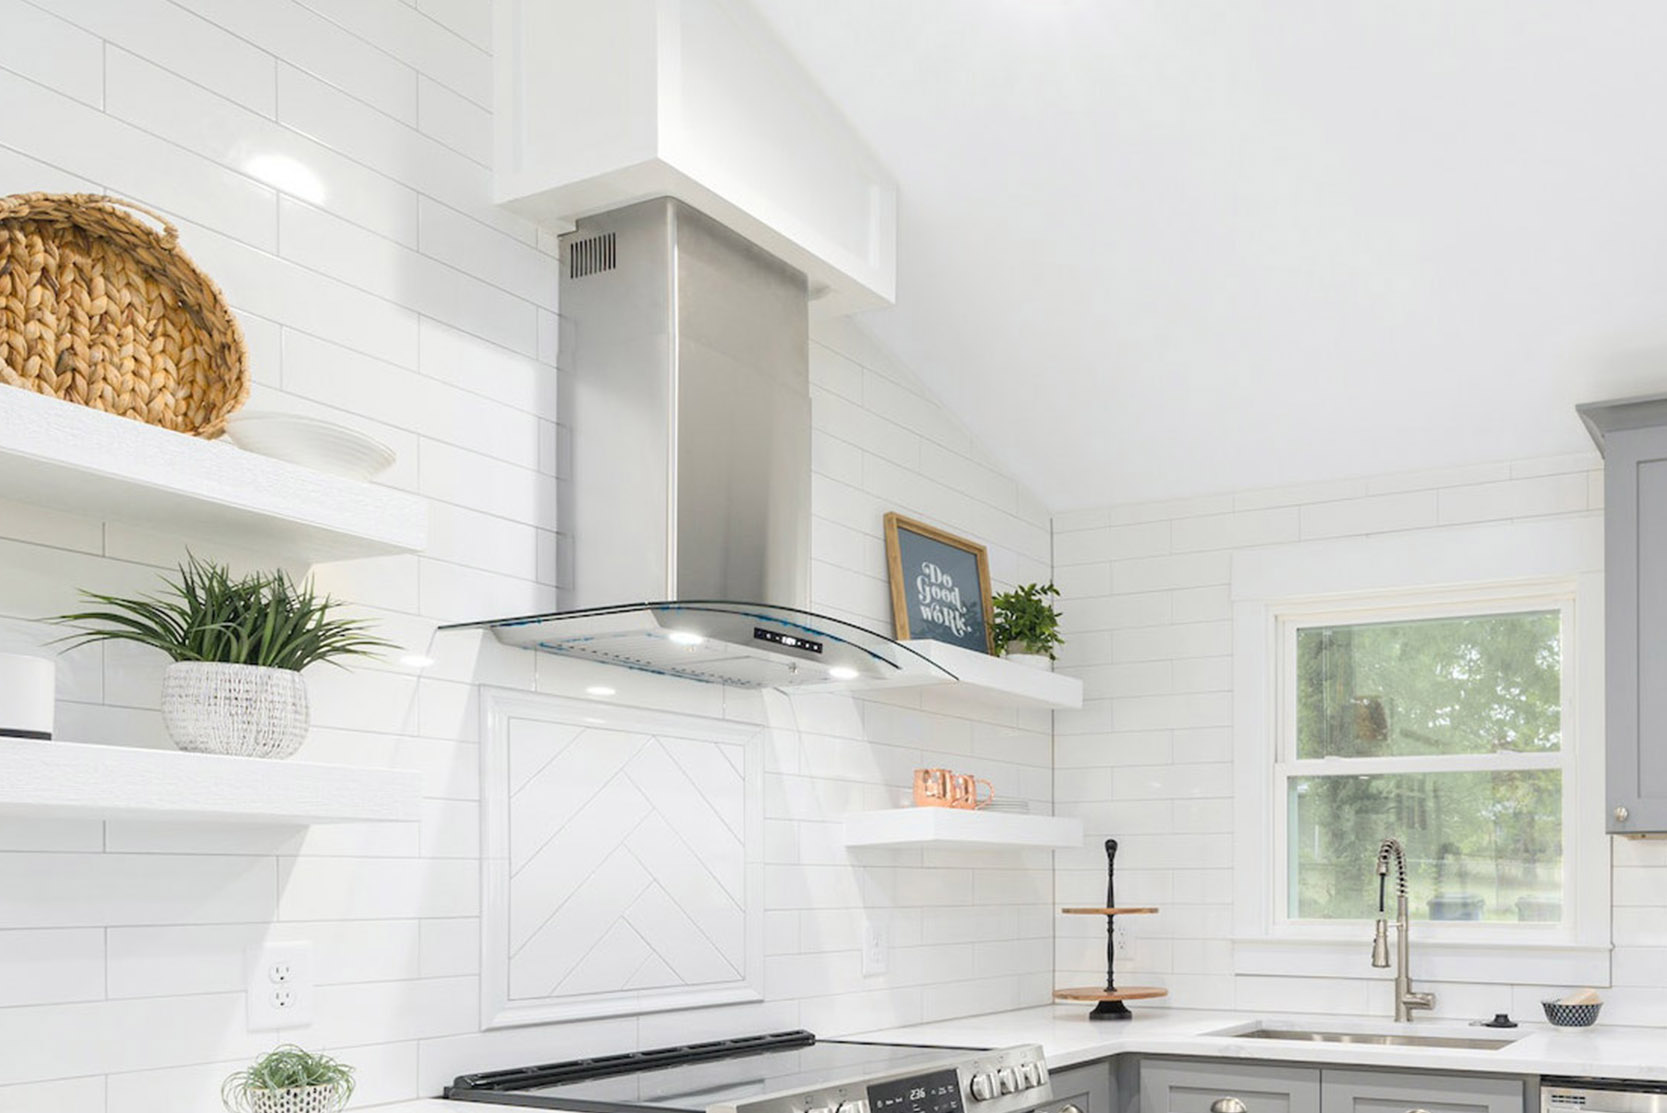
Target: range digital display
[(939, 1092), (789, 640)]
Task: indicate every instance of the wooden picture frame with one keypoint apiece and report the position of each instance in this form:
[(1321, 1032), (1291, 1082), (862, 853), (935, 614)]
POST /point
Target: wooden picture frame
[(930, 593)]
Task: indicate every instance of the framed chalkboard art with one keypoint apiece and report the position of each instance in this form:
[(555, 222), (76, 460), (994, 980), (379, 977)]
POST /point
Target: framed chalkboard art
[(940, 585)]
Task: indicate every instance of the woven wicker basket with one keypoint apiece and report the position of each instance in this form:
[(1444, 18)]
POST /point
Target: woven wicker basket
[(98, 307)]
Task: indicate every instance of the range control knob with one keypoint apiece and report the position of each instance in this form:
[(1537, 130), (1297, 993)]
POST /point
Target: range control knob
[(1007, 1080), (1028, 1078), (1042, 1075), (983, 1087), (852, 1107), (819, 1109)]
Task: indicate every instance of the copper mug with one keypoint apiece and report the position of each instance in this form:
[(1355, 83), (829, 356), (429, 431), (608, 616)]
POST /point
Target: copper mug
[(932, 788), (963, 791)]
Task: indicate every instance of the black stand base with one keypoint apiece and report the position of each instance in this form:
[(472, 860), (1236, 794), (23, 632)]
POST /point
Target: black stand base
[(1111, 1010)]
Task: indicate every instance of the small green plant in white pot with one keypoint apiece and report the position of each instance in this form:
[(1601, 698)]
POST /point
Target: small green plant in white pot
[(1026, 625), (238, 645), (289, 1079)]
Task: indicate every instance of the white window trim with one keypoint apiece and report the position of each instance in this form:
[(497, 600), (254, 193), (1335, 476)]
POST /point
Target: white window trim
[(1464, 567)]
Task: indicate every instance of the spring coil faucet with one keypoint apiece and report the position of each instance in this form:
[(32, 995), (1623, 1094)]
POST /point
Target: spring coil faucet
[(1405, 999)]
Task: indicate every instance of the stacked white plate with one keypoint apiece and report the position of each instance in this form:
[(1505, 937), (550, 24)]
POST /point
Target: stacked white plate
[(322, 445), (1015, 807)]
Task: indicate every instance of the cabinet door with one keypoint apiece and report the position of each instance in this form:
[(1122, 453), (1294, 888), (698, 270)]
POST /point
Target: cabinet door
[(1194, 1086), (1378, 1092), (1089, 1088), (1635, 624)]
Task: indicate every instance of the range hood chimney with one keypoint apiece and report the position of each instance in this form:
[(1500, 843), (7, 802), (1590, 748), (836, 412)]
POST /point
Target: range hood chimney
[(685, 384)]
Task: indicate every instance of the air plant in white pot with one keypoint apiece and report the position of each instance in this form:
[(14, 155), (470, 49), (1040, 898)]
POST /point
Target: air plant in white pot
[(289, 1079), (238, 646)]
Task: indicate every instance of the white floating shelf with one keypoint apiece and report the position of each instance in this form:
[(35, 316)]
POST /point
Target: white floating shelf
[(68, 457), (982, 678), (76, 780), (957, 827)]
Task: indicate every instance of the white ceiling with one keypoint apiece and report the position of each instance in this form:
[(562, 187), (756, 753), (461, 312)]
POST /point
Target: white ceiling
[(1166, 247)]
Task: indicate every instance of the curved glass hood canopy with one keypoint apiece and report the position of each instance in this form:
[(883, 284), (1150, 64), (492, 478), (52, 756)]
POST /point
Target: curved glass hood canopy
[(747, 645)]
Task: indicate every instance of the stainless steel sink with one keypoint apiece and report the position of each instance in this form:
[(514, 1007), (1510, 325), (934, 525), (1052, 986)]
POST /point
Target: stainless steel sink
[(1376, 1039)]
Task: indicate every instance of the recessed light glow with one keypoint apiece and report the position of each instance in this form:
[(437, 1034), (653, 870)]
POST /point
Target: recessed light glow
[(684, 637), (599, 690), (843, 672), (288, 174), (416, 661)]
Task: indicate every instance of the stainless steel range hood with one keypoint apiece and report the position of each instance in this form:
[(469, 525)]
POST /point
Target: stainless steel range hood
[(685, 384)]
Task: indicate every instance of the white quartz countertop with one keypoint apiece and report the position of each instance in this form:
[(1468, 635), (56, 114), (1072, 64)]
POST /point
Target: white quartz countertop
[(1067, 1036)]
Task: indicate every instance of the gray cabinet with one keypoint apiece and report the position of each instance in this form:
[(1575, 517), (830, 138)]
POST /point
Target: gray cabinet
[(1090, 1088), (1211, 1085), (1633, 438), (1195, 1085), (1345, 1091)]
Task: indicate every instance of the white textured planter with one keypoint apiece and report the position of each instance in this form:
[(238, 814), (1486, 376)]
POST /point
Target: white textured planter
[(305, 1099), (242, 710)]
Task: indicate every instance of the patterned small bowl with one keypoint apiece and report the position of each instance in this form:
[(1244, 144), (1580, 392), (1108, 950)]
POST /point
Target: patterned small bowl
[(1572, 1016)]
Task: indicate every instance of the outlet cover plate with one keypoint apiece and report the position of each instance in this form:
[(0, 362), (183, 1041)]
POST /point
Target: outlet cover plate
[(279, 986), (876, 948)]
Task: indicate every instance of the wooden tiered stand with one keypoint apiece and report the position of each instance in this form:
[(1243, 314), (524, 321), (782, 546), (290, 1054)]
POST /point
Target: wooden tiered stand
[(1110, 999)]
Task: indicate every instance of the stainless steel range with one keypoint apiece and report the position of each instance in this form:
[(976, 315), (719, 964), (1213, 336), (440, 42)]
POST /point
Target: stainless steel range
[(786, 1072)]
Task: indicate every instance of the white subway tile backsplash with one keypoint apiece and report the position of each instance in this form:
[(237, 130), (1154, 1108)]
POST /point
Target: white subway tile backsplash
[(421, 43), (98, 890), (72, 1095), (1377, 514), (511, 264), (257, 149), (186, 44), (308, 41), (463, 18), (392, 148), (376, 888), (333, 246), (456, 121), (51, 967), (43, 47), (55, 129)]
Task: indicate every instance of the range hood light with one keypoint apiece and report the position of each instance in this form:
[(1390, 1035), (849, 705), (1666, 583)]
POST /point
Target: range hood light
[(684, 637), (599, 690), (843, 672)]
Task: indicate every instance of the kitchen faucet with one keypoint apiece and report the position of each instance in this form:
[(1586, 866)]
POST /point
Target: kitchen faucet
[(1405, 999)]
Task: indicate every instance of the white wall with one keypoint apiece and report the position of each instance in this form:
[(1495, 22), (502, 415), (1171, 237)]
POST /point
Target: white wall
[(1151, 757), (326, 162)]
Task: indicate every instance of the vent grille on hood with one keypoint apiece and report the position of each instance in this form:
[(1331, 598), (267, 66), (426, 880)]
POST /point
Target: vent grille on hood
[(592, 255)]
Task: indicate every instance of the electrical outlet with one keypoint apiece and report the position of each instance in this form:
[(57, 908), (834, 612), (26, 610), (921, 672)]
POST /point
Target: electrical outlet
[(1121, 945), (876, 948), (280, 986)]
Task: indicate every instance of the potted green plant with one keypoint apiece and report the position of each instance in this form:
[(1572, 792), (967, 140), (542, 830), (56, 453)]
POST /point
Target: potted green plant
[(289, 1079), (1026, 626), (238, 645)]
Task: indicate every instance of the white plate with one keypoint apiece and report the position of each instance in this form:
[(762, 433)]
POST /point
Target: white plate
[(312, 443)]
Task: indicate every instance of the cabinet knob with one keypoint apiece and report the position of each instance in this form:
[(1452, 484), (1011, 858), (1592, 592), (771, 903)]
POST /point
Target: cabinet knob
[(1227, 1105), (1069, 1109), (1621, 814)]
